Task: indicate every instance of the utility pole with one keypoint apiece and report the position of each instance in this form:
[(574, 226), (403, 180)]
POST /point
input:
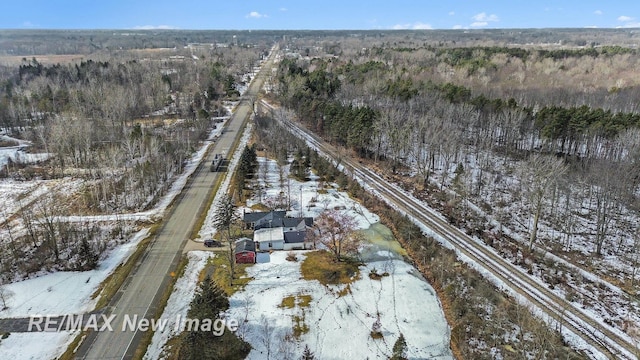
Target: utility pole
[(300, 215)]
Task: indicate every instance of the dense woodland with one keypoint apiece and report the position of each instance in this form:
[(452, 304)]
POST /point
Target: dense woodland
[(534, 149), (385, 111), (484, 323), (120, 125)]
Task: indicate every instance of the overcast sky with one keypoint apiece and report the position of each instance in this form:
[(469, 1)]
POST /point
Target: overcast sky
[(326, 14)]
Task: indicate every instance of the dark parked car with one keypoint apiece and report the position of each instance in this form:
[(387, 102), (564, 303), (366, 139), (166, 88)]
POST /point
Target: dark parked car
[(212, 243)]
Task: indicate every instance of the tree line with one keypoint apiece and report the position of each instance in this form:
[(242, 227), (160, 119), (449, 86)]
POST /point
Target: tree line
[(432, 128), (123, 127)]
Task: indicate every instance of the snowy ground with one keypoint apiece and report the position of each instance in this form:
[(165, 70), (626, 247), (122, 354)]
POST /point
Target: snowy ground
[(307, 198), (16, 153), (340, 327), (65, 292), (178, 303), (328, 316), (572, 271), (56, 294)]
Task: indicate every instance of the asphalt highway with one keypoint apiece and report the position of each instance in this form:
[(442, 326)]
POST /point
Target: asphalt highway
[(143, 288)]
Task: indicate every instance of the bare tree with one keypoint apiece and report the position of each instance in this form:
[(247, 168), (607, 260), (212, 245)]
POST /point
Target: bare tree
[(606, 179), (5, 296), (337, 232), (539, 175), (266, 334)]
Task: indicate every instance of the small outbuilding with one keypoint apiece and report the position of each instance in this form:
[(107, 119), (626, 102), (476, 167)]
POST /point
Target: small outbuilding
[(245, 251)]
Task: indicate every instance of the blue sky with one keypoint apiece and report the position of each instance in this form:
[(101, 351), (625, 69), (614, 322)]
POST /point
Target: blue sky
[(327, 14)]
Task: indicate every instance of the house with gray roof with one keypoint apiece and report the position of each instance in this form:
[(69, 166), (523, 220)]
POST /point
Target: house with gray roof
[(273, 230)]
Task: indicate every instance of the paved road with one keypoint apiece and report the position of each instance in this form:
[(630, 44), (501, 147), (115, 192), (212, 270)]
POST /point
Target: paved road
[(141, 291)]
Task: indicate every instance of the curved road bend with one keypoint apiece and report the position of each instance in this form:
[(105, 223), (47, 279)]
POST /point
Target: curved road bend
[(141, 291)]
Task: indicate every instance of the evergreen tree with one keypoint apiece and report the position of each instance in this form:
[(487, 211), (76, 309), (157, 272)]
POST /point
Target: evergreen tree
[(209, 302), (224, 217), (399, 349), (88, 256), (307, 354)]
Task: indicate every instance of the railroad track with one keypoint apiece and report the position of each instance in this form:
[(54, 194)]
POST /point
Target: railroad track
[(604, 341)]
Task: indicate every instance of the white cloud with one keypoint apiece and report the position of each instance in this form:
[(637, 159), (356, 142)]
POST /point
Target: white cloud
[(457, 27), (628, 22), (256, 15), (479, 24), (483, 17), (29, 24), (631, 24), (155, 27), (283, 9), (414, 26), (598, 12), (451, 13), (422, 26)]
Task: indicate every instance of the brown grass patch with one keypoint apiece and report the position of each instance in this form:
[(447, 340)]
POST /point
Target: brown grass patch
[(288, 302), (220, 264), (323, 266)]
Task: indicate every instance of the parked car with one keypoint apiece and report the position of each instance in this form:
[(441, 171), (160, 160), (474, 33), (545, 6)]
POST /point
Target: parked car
[(212, 243)]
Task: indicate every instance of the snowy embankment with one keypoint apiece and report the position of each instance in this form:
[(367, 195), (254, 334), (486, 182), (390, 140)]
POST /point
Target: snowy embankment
[(178, 304), (208, 230), (56, 294), (16, 154), (65, 292)]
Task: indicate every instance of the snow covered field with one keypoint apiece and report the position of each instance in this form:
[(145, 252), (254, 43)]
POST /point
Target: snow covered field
[(404, 301), (308, 198), (339, 326), (56, 294)]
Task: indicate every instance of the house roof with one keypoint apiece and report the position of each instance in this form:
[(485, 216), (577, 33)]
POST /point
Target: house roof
[(268, 234), (244, 244), (292, 222), (253, 217), (293, 237)]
